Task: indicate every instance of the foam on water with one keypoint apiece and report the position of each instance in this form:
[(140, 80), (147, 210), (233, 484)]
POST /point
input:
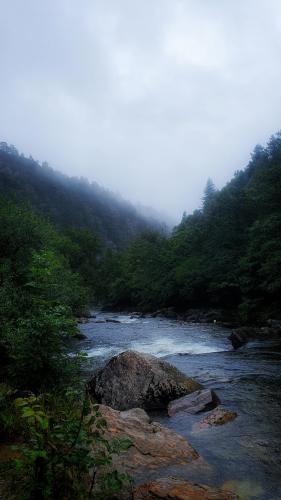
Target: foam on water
[(102, 351), (126, 319), (150, 336), (167, 346)]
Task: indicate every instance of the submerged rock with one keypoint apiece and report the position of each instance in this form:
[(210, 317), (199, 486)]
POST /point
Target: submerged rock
[(246, 490), (171, 488), (153, 445), (198, 401), (132, 380), (219, 416)]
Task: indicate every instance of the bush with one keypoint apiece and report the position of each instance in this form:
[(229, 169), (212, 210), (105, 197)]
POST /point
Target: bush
[(63, 441)]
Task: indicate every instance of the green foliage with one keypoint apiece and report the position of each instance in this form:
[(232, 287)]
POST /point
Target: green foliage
[(46, 278), (39, 295), (63, 442)]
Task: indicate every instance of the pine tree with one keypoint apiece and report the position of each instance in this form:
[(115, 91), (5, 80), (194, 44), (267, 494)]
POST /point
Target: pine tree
[(209, 193)]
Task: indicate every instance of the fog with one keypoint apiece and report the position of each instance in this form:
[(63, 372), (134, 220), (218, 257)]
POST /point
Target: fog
[(148, 98)]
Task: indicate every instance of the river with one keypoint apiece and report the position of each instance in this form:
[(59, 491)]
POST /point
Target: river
[(245, 453)]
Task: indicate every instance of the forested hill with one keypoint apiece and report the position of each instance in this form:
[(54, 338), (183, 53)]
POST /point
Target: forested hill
[(226, 254), (70, 202)]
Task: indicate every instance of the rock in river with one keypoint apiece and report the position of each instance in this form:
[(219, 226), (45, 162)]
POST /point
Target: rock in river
[(196, 402), (132, 380), (219, 416), (240, 336), (171, 488), (153, 445)]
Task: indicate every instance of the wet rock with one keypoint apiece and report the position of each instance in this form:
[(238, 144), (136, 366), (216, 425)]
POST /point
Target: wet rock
[(219, 416), (83, 320), (88, 314), (111, 320), (156, 313), (153, 445), (240, 336), (168, 313), (171, 488), (135, 315), (210, 316), (198, 401), (132, 379), (79, 336)]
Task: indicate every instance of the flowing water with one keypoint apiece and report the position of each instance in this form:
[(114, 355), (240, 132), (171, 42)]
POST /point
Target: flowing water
[(245, 454)]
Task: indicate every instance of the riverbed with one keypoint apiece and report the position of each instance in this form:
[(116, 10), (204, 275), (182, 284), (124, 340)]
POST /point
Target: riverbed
[(245, 454)]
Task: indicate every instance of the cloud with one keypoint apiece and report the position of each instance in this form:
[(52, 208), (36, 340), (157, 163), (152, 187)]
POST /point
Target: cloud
[(148, 98)]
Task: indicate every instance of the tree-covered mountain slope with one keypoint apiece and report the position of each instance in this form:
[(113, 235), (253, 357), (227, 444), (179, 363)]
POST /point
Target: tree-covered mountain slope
[(70, 202), (226, 254)]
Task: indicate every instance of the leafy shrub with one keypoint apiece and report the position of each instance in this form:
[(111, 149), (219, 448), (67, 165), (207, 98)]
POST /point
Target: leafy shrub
[(63, 441)]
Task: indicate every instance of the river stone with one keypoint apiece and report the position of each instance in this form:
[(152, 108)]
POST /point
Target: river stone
[(219, 416), (240, 336), (171, 488), (196, 402), (132, 380), (80, 336), (153, 445)]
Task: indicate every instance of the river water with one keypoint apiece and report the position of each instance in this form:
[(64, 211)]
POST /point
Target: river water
[(244, 455)]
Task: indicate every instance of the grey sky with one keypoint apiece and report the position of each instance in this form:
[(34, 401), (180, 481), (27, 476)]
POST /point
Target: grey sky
[(147, 97)]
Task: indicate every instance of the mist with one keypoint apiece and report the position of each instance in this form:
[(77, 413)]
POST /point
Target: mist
[(148, 99)]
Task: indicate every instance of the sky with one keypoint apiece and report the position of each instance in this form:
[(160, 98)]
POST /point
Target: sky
[(147, 97)]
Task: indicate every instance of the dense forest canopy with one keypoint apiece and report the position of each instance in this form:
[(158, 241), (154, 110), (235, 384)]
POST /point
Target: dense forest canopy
[(226, 254), (70, 202)]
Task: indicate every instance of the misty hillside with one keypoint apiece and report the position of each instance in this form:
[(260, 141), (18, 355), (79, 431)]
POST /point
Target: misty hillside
[(69, 201), (226, 254)]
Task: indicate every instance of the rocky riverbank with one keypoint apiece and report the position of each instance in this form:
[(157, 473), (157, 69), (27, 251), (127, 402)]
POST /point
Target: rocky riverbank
[(132, 382)]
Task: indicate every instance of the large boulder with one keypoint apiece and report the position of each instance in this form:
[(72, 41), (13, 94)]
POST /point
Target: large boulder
[(171, 488), (153, 446), (132, 380), (198, 401)]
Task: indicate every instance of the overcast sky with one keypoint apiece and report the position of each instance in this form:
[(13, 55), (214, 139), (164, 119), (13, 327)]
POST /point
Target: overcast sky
[(147, 97)]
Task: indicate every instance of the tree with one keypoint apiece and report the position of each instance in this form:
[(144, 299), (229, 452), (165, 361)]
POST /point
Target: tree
[(209, 193)]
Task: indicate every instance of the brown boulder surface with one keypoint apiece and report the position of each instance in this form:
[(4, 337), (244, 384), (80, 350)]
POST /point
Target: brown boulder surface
[(219, 416), (153, 445), (196, 402), (132, 380), (177, 489)]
